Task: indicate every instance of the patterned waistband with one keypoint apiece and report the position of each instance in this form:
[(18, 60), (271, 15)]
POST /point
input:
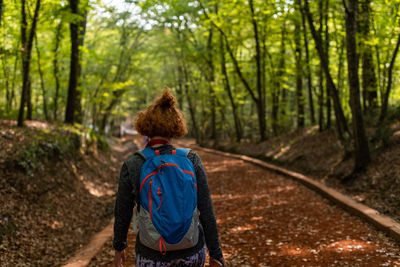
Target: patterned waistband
[(196, 260)]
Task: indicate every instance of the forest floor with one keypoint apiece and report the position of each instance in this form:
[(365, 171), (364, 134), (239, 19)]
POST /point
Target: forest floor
[(265, 219), (319, 156), (54, 180)]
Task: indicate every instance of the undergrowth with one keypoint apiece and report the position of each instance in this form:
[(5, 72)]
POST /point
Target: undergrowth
[(54, 144)]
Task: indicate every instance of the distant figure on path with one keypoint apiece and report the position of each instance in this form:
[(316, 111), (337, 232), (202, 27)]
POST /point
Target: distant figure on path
[(169, 188)]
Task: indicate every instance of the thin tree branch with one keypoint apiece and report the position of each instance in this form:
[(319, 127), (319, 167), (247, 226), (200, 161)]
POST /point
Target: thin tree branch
[(234, 60)]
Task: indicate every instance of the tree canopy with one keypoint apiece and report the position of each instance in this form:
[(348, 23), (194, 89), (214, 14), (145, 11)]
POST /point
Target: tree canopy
[(241, 69)]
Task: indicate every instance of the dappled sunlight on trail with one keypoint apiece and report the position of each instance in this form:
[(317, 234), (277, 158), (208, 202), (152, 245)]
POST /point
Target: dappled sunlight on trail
[(350, 245), (265, 219), (95, 188)]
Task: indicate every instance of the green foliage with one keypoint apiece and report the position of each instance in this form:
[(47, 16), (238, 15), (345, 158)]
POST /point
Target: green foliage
[(97, 140), (132, 49), (45, 145)]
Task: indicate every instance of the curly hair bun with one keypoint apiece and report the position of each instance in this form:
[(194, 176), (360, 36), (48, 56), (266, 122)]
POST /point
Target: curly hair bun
[(162, 118), (166, 100)]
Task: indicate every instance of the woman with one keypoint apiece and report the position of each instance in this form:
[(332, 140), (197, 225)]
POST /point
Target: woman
[(162, 121)]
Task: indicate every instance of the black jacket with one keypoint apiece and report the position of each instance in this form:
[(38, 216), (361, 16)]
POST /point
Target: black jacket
[(127, 196)]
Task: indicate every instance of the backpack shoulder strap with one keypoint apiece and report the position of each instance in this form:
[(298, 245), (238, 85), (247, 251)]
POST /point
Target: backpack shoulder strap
[(183, 151), (146, 153)]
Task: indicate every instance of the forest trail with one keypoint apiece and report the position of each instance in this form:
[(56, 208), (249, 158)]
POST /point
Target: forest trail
[(265, 219)]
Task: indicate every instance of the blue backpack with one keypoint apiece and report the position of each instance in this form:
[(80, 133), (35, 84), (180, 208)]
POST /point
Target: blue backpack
[(168, 214)]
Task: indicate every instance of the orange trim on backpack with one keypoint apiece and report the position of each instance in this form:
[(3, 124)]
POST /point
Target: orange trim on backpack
[(160, 195), (155, 172), (189, 172), (162, 246)]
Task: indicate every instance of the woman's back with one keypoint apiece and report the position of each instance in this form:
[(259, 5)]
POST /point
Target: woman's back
[(129, 193)]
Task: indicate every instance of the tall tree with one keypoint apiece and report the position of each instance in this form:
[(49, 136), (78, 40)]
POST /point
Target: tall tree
[(12, 96), (73, 111), (126, 49), (191, 105), (299, 66), (227, 86), (308, 68), (211, 80), (325, 18), (57, 39), (341, 123), (369, 82), (26, 53), (278, 88), (42, 85), (321, 95), (362, 156), (260, 87), (259, 96), (386, 93)]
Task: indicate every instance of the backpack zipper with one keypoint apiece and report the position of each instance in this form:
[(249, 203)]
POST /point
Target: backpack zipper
[(156, 171), (160, 195)]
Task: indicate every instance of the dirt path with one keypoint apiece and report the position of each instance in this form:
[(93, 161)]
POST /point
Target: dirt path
[(265, 219)]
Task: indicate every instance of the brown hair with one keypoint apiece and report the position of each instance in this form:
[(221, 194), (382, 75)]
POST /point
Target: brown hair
[(161, 118)]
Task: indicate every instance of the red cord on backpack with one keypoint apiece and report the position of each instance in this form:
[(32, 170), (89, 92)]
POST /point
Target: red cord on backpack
[(163, 248)]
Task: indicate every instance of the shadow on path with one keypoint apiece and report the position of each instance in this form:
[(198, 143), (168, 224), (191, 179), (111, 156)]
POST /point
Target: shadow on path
[(265, 219)]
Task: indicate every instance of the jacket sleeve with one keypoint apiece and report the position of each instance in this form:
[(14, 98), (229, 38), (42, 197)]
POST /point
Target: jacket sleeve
[(204, 204), (123, 210)]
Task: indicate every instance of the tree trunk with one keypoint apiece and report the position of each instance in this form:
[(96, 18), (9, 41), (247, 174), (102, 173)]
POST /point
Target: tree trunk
[(191, 106), (278, 88), (57, 40), (227, 86), (5, 68), (379, 70), (29, 99), (369, 82), (321, 100), (78, 96), (211, 79), (42, 86), (26, 53), (74, 66), (115, 99), (13, 82), (362, 156), (180, 86), (340, 78), (308, 69), (386, 95), (299, 68), (260, 86), (73, 111), (6, 73), (95, 96), (25, 67), (321, 95), (325, 15), (256, 100), (259, 100), (340, 118), (283, 92)]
